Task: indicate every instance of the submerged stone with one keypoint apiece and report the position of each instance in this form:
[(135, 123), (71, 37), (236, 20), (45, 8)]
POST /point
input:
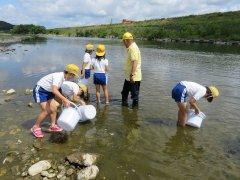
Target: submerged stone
[(58, 137), (28, 91), (10, 92), (30, 104), (88, 173), (83, 159)]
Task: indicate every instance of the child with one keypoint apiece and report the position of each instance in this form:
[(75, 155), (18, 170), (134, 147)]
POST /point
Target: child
[(100, 66), (46, 92), (193, 92), (73, 91), (86, 65)]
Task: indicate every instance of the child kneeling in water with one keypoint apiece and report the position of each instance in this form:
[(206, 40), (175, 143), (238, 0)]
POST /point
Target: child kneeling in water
[(46, 92), (100, 66)]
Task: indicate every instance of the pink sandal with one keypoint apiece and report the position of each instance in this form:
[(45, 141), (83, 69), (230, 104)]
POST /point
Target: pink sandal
[(37, 132), (55, 128)]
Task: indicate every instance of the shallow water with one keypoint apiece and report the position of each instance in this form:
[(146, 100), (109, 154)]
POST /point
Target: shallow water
[(135, 144)]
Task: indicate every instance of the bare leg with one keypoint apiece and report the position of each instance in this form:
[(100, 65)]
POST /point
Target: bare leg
[(45, 110), (98, 92), (53, 114), (182, 114), (105, 90)]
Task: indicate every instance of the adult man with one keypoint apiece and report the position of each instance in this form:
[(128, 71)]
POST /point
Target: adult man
[(133, 74)]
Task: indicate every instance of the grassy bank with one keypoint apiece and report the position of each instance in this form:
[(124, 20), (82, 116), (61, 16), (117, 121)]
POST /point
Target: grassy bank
[(215, 26)]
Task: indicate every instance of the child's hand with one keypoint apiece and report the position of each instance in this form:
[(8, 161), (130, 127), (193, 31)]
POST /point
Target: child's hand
[(197, 111), (66, 103)]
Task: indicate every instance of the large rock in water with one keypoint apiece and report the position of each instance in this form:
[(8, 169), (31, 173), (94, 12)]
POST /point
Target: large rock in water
[(39, 167), (83, 159), (88, 173)]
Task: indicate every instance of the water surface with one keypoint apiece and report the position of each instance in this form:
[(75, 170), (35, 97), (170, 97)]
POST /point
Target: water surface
[(135, 144)]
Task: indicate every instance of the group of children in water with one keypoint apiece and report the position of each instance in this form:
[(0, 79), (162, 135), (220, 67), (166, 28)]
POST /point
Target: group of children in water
[(67, 87)]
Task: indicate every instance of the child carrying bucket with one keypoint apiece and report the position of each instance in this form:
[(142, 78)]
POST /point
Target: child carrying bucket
[(46, 92), (100, 66), (193, 92), (74, 92)]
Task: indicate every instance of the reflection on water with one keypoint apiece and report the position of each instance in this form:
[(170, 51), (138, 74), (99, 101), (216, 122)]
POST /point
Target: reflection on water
[(134, 144)]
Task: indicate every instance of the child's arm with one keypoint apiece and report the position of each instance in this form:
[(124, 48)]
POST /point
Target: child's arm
[(77, 99), (56, 92), (193, 104)]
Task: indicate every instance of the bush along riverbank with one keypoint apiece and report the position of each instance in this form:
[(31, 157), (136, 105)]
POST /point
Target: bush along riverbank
[(214, 28)]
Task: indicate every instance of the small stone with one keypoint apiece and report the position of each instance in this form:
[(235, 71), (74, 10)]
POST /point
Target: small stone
[(88, 173), (8, 99), (83, 159), (70, 172), (111, 134), (61, 167), (19, 141), (10, 92), (44, 173), (133, 170), (61, 174), (30, 104), (28, 91), (24, 174)]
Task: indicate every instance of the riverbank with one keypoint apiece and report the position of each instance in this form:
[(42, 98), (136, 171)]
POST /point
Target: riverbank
[(214, 28), (7, 39)]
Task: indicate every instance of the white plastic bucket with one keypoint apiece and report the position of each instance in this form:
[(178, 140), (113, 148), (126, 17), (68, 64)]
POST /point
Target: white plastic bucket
[(195, 120), (86, 112)]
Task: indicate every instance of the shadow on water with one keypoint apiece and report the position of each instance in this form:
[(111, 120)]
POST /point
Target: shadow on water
[(162, 122), (181, 144)]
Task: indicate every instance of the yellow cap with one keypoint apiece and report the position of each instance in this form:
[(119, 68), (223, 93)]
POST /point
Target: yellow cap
[(127, 35), (83, 87), (89, 47), (72, 68), (214, 91), (100, 50)]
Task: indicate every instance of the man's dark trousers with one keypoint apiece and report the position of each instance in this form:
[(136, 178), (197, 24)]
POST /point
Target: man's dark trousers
[(134, 88)]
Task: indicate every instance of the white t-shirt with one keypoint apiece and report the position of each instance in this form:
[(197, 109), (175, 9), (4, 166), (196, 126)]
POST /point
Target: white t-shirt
[(49, 80), (69, 89), (99, 65), (194, 90), (87, 59)]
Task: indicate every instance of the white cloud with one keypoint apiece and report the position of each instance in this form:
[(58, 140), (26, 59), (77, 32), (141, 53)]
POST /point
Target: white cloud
[(63, 13)]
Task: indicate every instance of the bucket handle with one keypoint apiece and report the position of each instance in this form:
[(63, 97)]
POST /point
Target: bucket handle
[(74, 105)]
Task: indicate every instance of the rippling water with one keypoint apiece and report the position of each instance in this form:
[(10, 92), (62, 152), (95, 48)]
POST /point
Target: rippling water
[(135, 144)]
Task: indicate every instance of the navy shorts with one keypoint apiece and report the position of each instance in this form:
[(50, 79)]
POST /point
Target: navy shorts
[(41, 95), (100, 78), (179, 93), (87, 73)]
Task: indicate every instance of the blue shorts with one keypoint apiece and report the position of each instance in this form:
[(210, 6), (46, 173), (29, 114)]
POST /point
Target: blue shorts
[(41, 95), (179, 93), (87, 73), (100, 78)]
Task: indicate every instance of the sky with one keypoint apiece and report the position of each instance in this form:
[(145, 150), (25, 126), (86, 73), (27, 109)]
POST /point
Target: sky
[(69, 13)]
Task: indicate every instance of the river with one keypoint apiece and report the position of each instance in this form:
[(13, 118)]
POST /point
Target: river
[(134, 144)]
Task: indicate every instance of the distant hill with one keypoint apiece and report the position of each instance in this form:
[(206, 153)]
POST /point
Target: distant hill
[(4, 26), (215, 26)]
